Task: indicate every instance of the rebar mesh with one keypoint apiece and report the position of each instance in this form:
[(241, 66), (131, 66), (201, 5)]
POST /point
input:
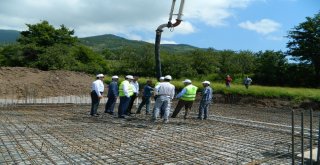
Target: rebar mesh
[(66, 134)]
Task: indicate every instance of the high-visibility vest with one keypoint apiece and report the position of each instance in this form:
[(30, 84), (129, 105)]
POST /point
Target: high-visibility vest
[(130, 88), (190, 94), (157, 83)]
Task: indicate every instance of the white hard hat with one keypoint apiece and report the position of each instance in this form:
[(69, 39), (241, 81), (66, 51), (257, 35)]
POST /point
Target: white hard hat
[(115, 77), (129, 77), (187, 81), (206, 82), (100, 75), (168, 77), (161, 78)]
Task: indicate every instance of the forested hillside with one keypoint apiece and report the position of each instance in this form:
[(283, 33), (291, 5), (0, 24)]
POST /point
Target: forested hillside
[(113, 42), (8, 36)]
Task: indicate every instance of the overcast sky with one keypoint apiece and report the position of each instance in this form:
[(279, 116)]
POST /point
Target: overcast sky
[(221, 24)]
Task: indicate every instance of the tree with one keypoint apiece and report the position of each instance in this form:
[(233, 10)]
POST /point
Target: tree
[(203, 62), (13, 55), (271, 68), (244, 62), (305, 42), (177, 66), (44, 35), (86, 60), (226, 65), (55, 57)]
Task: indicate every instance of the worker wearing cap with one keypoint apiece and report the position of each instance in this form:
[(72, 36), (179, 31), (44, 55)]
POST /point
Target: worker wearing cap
[(186, 98), (165, 92), (125, 92), (135, 86), (113, 94), (97, 89), (205, 100)]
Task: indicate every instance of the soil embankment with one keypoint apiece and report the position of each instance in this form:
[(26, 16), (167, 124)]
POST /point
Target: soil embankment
[(21, 82)]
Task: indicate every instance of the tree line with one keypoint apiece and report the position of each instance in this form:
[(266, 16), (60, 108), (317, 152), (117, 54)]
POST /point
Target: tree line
[(47, 48)]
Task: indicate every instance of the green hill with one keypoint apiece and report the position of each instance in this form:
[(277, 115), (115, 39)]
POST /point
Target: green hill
[(8, 36), (110, 41)]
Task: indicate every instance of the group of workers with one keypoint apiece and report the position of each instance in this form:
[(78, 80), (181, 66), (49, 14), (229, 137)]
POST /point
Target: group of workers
[(163, 92)]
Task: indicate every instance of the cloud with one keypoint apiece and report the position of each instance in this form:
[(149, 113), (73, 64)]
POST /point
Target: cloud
[(275, 38), (213, 12), (126, 17), (264, 26), (162, 41)]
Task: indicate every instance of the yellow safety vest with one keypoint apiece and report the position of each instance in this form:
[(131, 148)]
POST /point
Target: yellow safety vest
[(190, 94), (130, 88)]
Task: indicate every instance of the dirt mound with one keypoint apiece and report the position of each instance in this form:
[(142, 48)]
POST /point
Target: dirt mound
[(21, 81)]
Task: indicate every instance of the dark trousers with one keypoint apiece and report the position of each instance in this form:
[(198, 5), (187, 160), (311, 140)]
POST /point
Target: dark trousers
[(110, 104), (124, 102), (182, 103), (132, 98), (145, 101), (94, 103)]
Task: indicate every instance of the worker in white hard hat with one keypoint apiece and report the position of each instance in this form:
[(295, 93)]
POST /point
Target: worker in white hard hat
[(207, 96), (125, 92), (161, 79), (165, 92), (186, 98), (97, 89), (135, 86), (113, 94)]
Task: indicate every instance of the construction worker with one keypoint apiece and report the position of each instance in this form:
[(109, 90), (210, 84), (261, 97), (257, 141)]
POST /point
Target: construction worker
[(186, 98), (247, 82), (135, 87), (125, 92), (97, 88), (161, 79), (113, 94), (228, 81), (147, 93), (165, 92), (205, 100)]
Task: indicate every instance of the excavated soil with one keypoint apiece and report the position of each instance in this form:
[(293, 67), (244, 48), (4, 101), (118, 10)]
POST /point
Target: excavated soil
[(22, 82)]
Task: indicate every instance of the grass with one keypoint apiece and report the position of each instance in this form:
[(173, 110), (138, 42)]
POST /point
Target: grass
[(294, 94)]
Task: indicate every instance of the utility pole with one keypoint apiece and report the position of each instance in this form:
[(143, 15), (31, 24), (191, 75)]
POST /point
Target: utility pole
[(159, 32)]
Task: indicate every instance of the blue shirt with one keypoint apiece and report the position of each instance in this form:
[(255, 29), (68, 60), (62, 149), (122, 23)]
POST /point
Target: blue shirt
[(147, 91), (207, 94), (113, 89), (184, 90)]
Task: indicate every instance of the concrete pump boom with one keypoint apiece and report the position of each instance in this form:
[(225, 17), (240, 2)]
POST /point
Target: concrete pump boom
[(159, 32)]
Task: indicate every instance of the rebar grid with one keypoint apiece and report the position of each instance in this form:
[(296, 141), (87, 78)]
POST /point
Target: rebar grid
[(66, 134)]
